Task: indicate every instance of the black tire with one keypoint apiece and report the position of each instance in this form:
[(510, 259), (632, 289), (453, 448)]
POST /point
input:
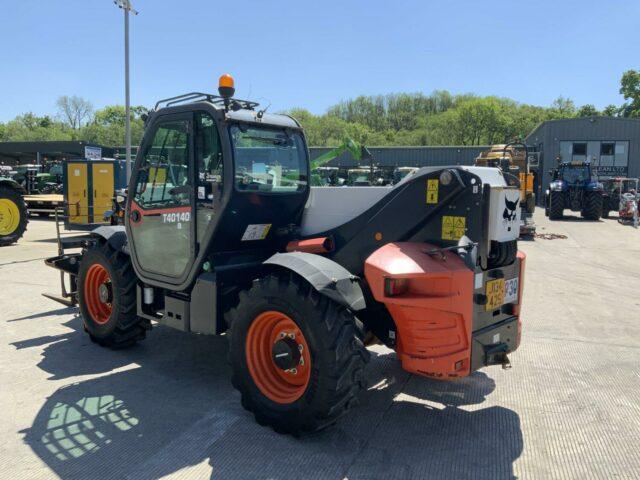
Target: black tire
[(123, 327), (593, 206), (13, 195), (502, 253), (605, 213), (556, 206), (334, 337)]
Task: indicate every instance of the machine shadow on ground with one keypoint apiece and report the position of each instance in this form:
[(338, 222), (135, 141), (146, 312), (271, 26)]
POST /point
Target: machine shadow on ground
[(167, 405)]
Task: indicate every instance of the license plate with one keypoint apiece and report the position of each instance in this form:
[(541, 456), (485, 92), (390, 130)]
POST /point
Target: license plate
[(495, 294), (511, 290), (501, 291)]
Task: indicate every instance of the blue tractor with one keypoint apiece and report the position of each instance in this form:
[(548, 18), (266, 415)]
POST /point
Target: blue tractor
[(574, 186)]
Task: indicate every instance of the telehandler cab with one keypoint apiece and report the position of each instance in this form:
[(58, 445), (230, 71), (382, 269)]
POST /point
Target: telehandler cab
[(224, 234)]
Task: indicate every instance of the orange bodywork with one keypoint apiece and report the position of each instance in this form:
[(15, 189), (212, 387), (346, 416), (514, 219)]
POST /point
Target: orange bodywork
[(311, 245), (517, 308), (434, 317)]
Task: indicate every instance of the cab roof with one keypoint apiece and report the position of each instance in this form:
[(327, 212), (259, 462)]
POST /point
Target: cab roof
[(235, 109)]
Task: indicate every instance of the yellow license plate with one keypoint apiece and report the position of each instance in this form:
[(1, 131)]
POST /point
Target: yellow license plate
[(495, 294)]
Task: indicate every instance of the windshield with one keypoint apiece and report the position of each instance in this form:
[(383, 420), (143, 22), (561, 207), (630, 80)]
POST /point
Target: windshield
[(575, 174), (268, 159)]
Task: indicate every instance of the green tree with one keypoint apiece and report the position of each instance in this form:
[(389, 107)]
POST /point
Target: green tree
[(563, 108), (587, 110), (610, 111), (108, 126), (630, 90), (29, 127)]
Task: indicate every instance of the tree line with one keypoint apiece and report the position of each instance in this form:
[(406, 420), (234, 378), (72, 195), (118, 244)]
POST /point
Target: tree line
[(76, 119), (405, 119), (445, 119)]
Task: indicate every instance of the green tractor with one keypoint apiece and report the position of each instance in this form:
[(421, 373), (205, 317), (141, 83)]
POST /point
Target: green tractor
[(36, 179), (13, 210)]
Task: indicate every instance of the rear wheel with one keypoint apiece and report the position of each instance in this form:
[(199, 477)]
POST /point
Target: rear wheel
[(502, 253), (556, 206), (593, 206), (297, 356), (107, 298), (13, 215)]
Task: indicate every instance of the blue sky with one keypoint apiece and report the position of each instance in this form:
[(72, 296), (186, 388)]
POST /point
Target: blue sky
[(312, 54)]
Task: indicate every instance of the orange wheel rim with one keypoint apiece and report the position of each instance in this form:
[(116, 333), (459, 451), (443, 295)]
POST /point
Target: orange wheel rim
[(277, 384), (98, 305)]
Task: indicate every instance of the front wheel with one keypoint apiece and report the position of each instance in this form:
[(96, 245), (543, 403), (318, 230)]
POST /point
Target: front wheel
[(107, 298), (593, 206), (13, 215), (297, 357), (556, 206)]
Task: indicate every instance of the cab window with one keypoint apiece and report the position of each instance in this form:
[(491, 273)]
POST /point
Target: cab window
[(163, 179), (268, 159), (208, 153)]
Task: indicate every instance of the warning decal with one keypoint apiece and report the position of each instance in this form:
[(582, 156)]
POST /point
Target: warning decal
[(432, 190), (256, 232), (453, 228)]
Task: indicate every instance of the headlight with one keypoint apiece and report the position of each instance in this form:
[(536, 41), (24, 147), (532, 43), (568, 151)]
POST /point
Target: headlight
[(446, 177), (555, 186)]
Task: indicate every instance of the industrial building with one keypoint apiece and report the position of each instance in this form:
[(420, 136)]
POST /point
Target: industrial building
[(37, 153), (611, 144)]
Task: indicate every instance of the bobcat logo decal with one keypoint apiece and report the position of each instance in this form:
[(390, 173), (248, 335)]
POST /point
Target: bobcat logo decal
[(509, 213)]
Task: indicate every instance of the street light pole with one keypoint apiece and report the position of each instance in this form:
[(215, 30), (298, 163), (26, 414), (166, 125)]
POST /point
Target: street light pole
[(126, 6), (127, 101)]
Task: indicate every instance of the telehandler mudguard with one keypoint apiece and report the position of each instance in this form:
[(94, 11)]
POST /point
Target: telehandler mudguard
[(115, 235), (327, 277)]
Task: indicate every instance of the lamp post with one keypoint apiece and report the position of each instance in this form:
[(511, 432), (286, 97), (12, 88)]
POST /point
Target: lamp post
[(126, 6)]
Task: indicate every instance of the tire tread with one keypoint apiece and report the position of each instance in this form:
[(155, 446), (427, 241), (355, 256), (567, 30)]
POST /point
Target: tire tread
[(341, 346)]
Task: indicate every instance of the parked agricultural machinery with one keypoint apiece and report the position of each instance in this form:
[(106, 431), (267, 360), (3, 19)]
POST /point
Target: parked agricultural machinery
[(618, 195), (223, 233), (14, 215), (513, 159), (628, 200), (574, 187)]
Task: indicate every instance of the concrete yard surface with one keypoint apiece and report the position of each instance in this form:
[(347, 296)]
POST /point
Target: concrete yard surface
[(568, 409)]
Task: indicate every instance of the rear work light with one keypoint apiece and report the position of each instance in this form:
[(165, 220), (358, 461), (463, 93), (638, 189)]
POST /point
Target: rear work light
[(395, 286)]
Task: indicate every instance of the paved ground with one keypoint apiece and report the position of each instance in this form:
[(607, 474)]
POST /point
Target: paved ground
[(569, 407)]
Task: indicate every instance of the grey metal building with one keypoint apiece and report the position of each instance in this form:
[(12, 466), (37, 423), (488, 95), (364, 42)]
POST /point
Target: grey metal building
[(611, 144), (18, 153), (408, 156)]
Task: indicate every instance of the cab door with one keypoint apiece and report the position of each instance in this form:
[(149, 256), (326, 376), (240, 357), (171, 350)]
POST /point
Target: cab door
[(161, 209)]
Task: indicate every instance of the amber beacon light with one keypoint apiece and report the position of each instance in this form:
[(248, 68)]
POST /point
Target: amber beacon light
[(226, 87)]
